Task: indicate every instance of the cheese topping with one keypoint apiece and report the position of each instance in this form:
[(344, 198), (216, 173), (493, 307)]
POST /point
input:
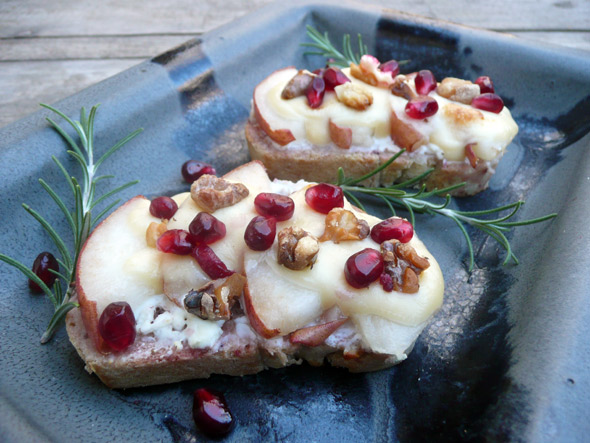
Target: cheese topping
[(450, 129)]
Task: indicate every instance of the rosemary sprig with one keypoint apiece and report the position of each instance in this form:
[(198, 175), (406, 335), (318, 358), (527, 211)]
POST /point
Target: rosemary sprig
[(325, 48), (80, 218), (420, 202)]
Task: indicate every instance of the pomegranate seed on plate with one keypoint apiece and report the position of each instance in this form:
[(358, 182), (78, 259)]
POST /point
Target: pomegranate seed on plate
[(206, 228), (117, 326), (488, 102), (334, 77), (425, 82), (211, 413), (176, 241), (210, 263), (324, 197), (315, 92), (278, 206), (163, 207), (391, 66), (363, 268), (191, 170), (42, 267), (392, 228), (485, 84), (260, 233), (421, 107)]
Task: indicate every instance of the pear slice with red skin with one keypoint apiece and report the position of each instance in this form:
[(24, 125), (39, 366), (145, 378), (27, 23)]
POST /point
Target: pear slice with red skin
[(340, 135), (281, 136), (317, 334)]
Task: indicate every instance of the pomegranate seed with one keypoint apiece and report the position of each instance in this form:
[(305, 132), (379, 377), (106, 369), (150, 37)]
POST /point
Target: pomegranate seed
[(485, 84), (392, 228), (315, 92), (319, 71), (42, 267), (191, 170), (390, 66), (205, 228), (260, 233), (324, 197), (334, 77), (211, 413), (163, 207), (386, 282), (176, 241), (488, 102), (363, 268), (117, 326), (278, 206), (421, 107), (210, 263), (425, 82)]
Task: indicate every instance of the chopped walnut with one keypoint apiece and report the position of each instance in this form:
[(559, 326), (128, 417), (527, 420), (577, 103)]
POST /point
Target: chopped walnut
[(212, 193), (403, 265), (364, 76), (354, 96), (154, 231), (297, 85), (401, 88), (214, 301), (298, 249), (462, 91), (343, 225)]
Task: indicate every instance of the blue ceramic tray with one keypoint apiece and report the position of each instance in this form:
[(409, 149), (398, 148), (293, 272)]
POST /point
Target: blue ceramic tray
[(507, 357)]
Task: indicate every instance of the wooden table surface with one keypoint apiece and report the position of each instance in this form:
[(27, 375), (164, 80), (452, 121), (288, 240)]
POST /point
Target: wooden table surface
[(52, 49)]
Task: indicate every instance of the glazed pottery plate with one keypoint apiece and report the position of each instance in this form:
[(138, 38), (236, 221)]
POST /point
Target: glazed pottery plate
[(506, 358)]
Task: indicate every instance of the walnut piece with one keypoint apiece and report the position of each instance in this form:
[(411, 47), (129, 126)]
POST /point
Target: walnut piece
[(297, 85), (154, 231), (354, 96), (343, 225), (298, 249), (214, 301), (364, 76), (401, 88), (462, 91), (404, 265), (212, 193)]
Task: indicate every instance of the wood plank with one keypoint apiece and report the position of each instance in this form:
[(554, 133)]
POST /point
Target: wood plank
[(138, 17), (31, 83), (88, 48)]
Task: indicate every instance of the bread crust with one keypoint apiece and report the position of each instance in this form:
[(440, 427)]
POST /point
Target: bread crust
[(320, 164)]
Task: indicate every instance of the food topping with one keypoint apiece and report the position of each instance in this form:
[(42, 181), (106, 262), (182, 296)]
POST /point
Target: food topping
[(343, 225), (298, 249), (334, 77), (212, 193), (298, 85), (363, 268), (401, 88), (211, 413), (278, 206), (206, 228), (403, 265), (176, 241), (324, 197), (210, 263), (392, 67), (470, 155), (488, 102), (153, 232), (315, 335), (191, 170), (260, 233), (392, 228), (42, 267), (354, 96), (340, 136), (458, 90), (163, 207), (315, 92), (117, 326), (368, 71), (215, 300), (404, 135), (425, 82), (485, 84), (421, 107)]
